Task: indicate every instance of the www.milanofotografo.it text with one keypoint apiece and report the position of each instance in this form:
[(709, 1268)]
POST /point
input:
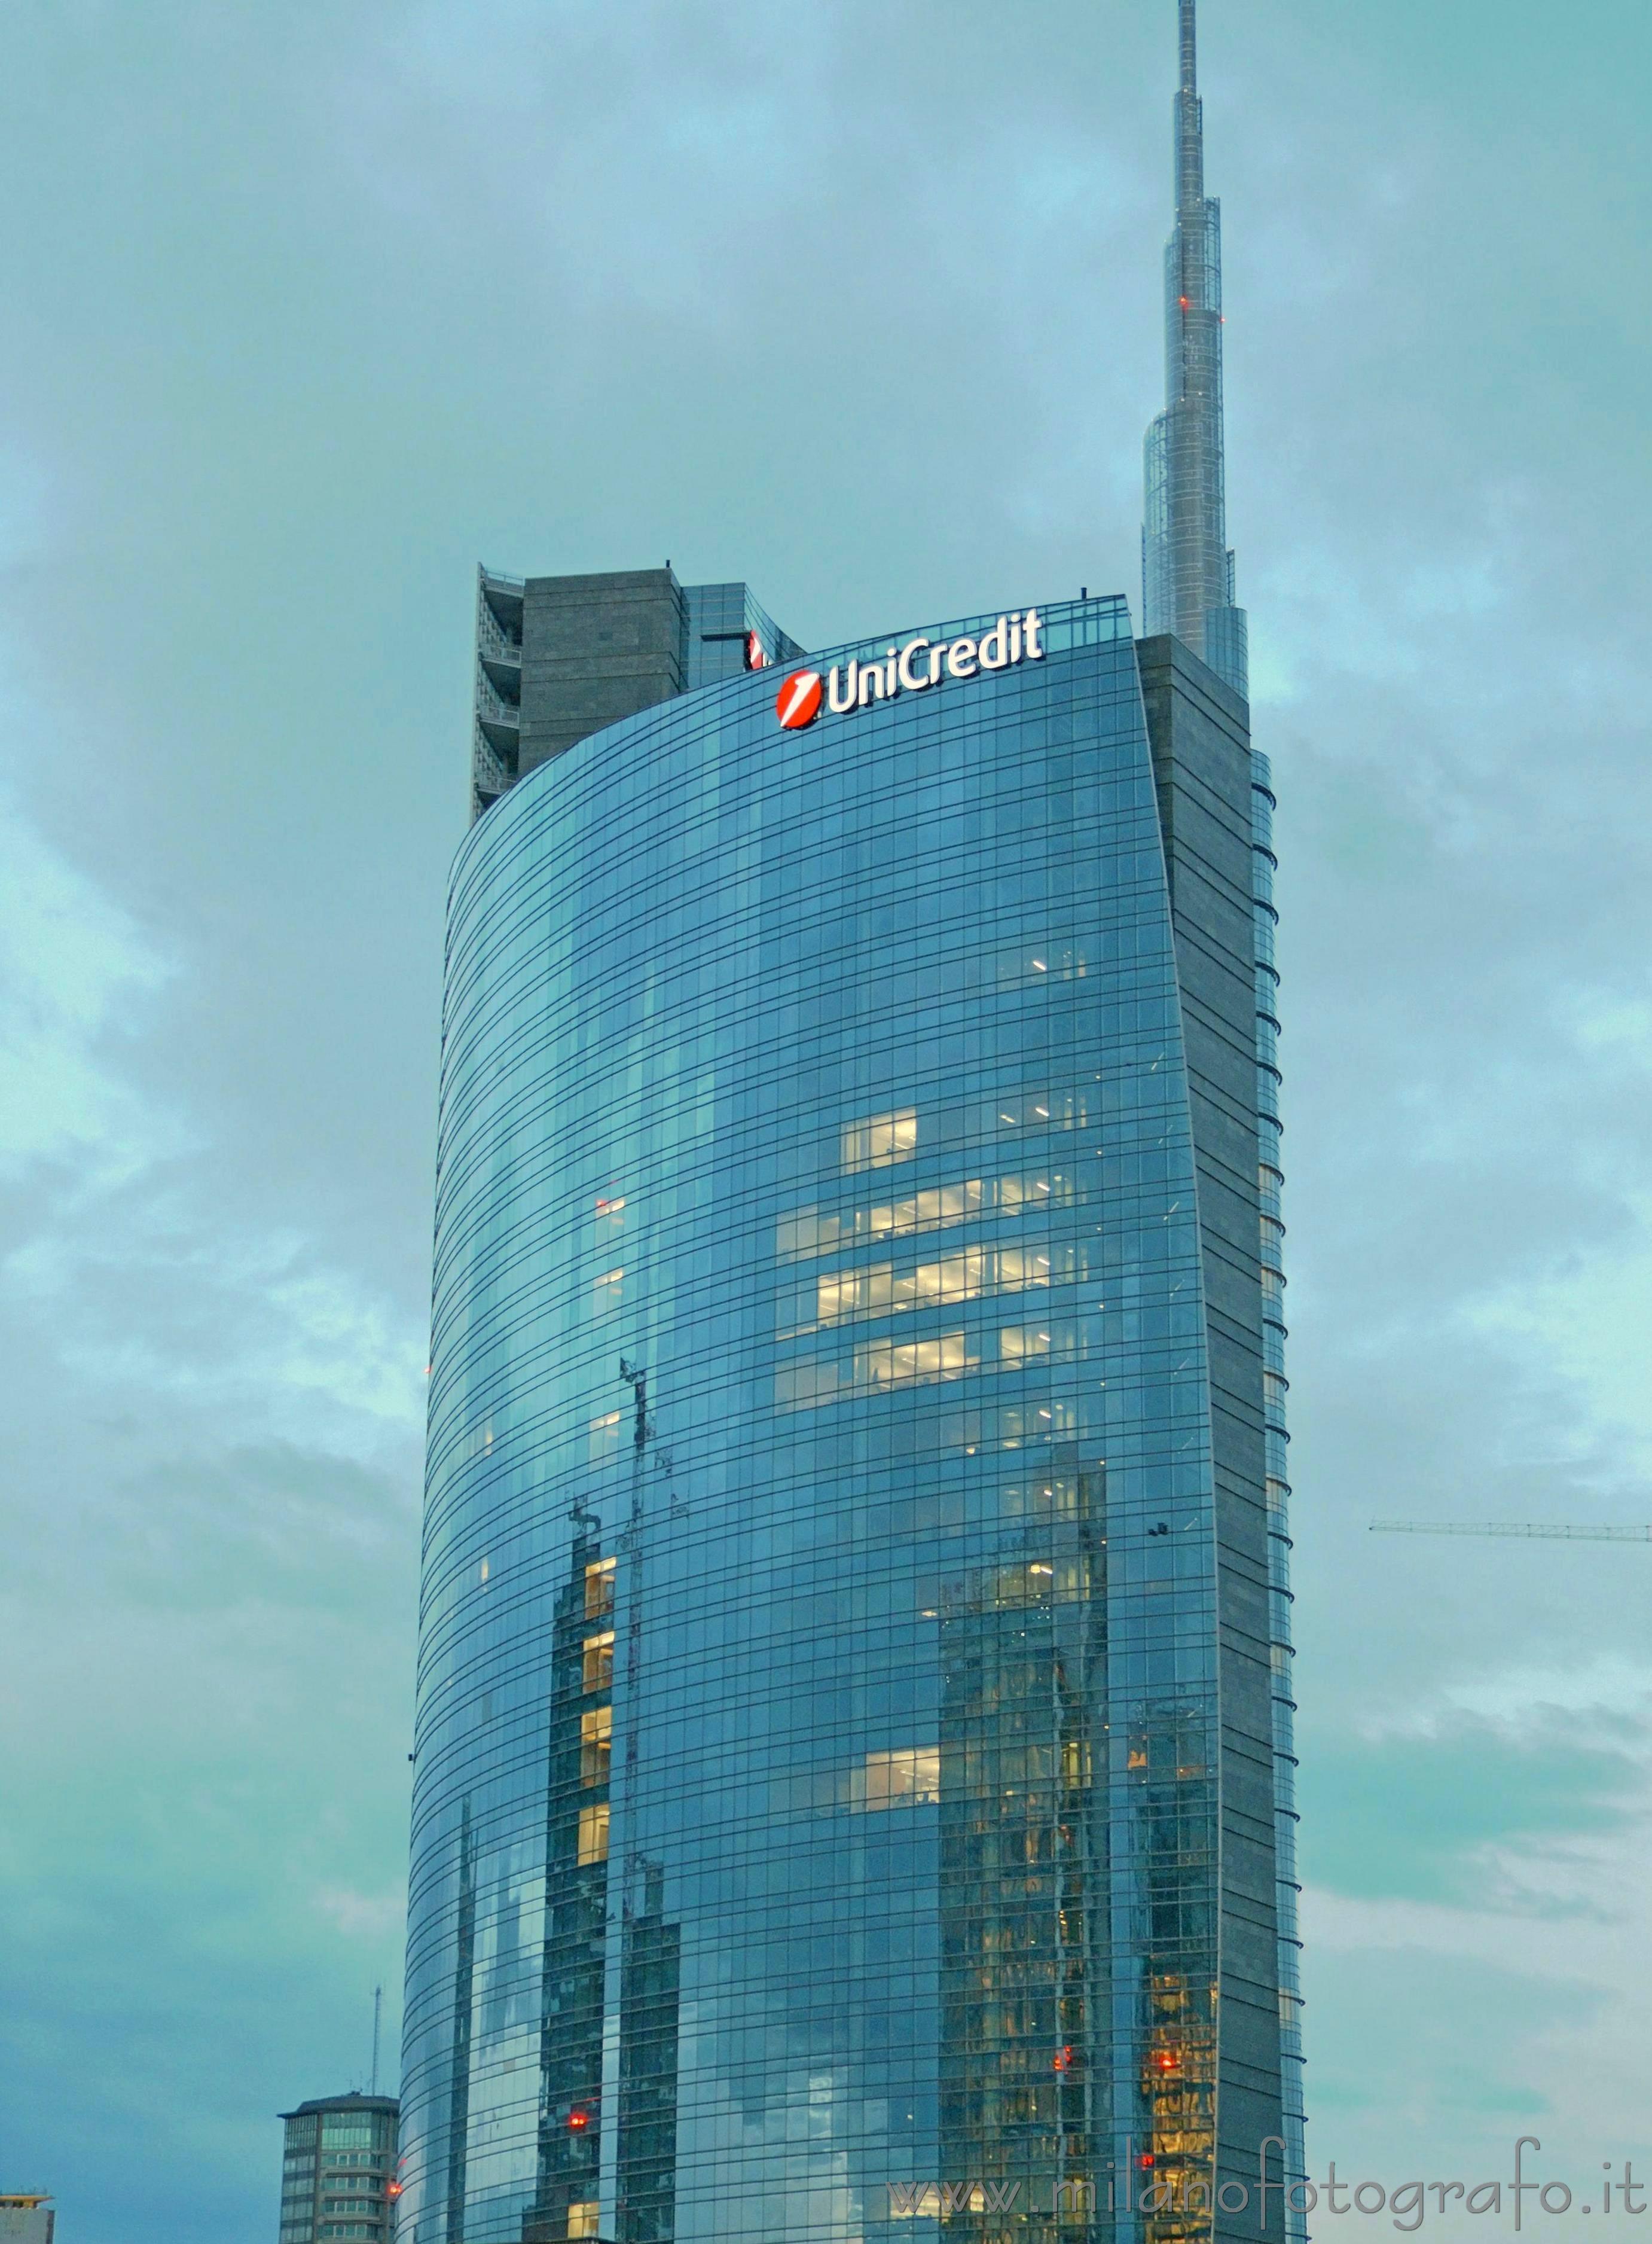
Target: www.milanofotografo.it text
[(1405, 2204)]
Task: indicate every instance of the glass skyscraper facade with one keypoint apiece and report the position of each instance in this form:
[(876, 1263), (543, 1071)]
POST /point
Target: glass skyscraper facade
[(848, 1788)]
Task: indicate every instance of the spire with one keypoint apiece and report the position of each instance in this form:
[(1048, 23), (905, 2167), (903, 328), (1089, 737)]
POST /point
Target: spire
[(1187, 570), (1189, 119)]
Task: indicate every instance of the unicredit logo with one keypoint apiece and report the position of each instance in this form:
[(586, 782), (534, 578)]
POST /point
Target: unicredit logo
[(910, 669), (798, 701)]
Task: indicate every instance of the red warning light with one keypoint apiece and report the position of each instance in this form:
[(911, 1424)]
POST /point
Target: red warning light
[(577, 2120), (1186, 302), (393, 2189), (1064, 2058), (1146, 2158)]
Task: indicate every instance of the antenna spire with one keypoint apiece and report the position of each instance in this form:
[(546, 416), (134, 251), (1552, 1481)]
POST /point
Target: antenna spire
[(1189, 123), (1187, 569), (378, 2000)]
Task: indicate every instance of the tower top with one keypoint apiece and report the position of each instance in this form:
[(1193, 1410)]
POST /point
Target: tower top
[(1190, 121), (1187, 568)]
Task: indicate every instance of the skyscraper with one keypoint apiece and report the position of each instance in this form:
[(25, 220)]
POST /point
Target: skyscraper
[(338, 2170), (1187, 566), (853, 1747)]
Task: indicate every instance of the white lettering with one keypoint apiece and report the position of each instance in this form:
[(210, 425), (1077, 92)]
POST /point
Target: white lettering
[(994, 648), (923, 662)]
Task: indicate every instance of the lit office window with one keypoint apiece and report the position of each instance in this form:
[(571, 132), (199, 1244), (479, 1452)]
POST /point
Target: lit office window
[(593, 1834), (599, 1588), (881, 1140), (596, 1744)]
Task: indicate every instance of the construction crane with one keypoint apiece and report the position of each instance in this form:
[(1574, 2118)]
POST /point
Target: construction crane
[(1558, 1532)]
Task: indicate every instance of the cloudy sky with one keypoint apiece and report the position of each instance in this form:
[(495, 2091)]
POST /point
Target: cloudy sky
[(307, 309)]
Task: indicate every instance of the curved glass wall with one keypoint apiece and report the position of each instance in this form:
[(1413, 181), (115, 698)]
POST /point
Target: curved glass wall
[(814, 1829)]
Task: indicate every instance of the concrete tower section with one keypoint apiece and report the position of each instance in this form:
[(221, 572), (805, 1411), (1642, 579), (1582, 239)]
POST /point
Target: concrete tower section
[(848, 1806), (27, 2217), (558, 658)]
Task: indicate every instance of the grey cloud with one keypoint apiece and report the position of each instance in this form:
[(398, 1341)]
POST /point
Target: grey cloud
[(310, 310)]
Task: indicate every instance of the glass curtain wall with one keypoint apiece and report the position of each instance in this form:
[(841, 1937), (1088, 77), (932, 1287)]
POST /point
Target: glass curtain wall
[(816, 1795)]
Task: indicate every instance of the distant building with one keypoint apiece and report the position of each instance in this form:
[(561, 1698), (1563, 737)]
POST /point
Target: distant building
[(27, 2218), (339, 2169)]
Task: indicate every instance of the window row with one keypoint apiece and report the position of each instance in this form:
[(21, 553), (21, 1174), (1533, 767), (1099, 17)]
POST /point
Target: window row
[(880, 1289), (883, 1364), (812, 1231)]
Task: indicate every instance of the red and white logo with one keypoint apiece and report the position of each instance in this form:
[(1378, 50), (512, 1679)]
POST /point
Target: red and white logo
[(797, 702)]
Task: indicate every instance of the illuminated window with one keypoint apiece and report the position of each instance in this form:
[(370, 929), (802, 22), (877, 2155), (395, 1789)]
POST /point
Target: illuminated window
[(604, 1437), (1063, 962), (593, 1834), (880, 1289), (814, 1230), (880, 1141), (909, 1777), (1018, 1266), (1043, 1110), (599, 1588), (599, 1662), (582, 2219), (929, 1210), (891, 1363), (607, 1290), (596, 1743)]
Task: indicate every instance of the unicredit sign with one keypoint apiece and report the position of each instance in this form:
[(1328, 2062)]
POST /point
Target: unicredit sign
[(910, 669)]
